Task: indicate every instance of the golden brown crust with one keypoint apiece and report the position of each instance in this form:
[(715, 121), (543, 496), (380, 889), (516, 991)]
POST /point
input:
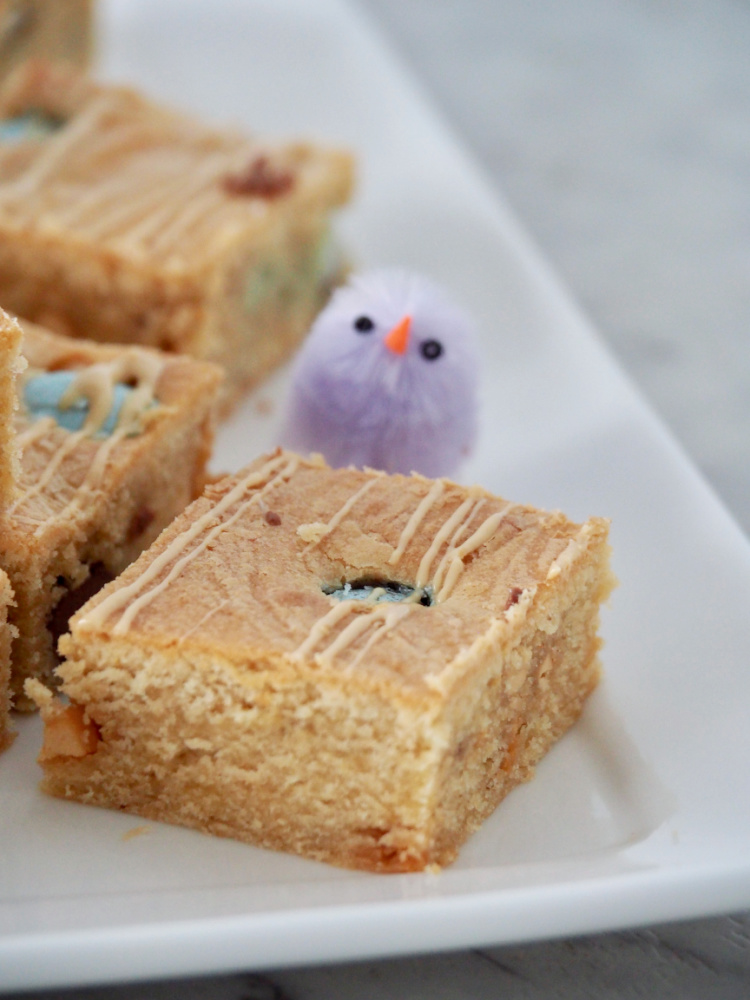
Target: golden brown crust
[(124, 225), (86, 506), (232, 694), (296, 564), (151, 182)]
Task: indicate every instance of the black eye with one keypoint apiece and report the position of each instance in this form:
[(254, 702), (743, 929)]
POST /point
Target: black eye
[(431, 349), (363, 324)]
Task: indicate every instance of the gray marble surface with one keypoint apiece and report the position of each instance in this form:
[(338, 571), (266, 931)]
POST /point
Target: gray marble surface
[(620, 133)]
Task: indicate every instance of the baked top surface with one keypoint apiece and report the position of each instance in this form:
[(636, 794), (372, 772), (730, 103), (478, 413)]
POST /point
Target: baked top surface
[(114, 170), (62, 471), (243, 571)]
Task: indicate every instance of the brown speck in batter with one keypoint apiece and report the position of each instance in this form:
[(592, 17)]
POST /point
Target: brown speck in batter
[(513, 598), (261, 179)]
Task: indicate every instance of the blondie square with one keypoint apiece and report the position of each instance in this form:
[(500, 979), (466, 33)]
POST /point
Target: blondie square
[(348, 665), (123, 221), (54, 29), (112, 445)]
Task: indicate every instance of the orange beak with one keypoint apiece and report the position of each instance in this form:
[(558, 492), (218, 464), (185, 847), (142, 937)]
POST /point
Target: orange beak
[(397, 339)]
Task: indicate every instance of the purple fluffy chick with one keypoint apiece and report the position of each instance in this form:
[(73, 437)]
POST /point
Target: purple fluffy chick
[(387, 378)]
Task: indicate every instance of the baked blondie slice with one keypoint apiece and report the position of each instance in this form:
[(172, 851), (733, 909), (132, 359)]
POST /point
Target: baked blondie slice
[(60, 30), (347, 665), (113, 443), (123, 221)]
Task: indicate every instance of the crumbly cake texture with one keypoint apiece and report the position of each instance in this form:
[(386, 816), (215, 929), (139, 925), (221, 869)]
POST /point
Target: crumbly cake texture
[(10, 365), (221, 683), (88, 501), (126, 222), (62, 31), (6, 633)]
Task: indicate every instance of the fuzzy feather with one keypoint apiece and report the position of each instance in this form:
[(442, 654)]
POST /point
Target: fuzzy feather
[(361, 404)]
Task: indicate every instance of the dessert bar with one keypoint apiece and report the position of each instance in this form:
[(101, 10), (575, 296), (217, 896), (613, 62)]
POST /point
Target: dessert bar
[(112, 445), (123, 221), (347, 665)]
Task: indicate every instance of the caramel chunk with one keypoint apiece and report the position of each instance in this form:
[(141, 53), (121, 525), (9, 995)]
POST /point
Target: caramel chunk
[(68, 732)]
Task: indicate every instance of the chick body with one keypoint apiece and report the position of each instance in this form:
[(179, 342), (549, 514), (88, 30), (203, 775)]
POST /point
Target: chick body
[(387, 378)]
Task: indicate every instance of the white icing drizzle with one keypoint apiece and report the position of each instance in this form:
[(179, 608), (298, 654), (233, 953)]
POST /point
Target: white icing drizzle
[(69, 445), (129, 208), (148, 180), (130, 613), (202, 621), (108, 192), (167, 222), (460, 531), (380, 618), (99, 461), (95, 384), (423, 573), (483, 534), (569, 553), (203, 195), (428, 501), (34, 432), (391, 618), (549, 552), (208, 214), (338, 517), (93, 477), (361, 622), (322, 627), (57, 148), (126, 597)]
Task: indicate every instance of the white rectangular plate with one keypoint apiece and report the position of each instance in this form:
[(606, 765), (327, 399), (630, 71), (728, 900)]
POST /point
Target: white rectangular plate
[(642, 813)]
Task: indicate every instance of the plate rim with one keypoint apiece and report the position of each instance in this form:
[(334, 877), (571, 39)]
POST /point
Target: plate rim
[(671, 891)]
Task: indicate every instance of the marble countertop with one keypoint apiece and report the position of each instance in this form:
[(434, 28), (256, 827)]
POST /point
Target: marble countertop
[(620, 134)]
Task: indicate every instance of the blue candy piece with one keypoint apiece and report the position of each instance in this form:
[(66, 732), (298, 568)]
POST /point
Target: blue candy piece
[(27, 127), (386, 592), (42, 394)]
